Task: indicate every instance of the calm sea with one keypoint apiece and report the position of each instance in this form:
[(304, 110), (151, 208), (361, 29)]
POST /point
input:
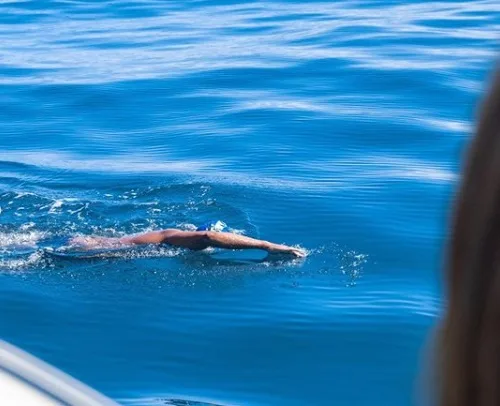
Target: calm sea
[(337, 126)]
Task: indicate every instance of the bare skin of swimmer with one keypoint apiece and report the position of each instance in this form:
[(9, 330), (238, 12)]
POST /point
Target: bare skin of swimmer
[(193, 240)]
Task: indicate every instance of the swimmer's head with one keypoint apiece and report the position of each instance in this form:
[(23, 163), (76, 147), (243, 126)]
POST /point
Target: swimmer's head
[(218, 226)]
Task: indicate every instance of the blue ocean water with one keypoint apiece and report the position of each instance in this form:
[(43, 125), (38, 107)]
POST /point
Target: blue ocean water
[(337, 126)]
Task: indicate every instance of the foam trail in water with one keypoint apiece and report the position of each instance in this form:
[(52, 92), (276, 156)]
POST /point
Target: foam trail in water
[(11, 265), (10, 241)]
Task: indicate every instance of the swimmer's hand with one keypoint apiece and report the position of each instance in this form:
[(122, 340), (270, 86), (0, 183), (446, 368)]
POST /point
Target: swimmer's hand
[(298, 253), (285, 249)]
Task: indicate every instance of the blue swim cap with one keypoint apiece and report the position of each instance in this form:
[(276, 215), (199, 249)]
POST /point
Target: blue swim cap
[(218, 226)]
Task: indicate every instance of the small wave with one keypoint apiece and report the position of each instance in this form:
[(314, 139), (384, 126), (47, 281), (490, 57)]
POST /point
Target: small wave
[(388, 303), (58, 204), (132, 163)]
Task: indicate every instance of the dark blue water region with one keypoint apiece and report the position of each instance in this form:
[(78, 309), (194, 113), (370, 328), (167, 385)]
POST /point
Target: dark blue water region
[(337, 127)]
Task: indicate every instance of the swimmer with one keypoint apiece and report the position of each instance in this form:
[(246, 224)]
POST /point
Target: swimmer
[(198, 240)]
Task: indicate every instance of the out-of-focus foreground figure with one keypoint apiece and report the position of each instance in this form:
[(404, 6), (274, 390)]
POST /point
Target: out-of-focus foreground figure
[(469, 348)]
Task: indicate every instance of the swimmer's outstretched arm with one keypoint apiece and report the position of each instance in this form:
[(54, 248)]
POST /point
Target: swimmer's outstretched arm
[(199, 240)]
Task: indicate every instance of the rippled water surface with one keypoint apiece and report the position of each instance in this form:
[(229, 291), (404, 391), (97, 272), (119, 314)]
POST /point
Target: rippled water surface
[(336, 126)]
